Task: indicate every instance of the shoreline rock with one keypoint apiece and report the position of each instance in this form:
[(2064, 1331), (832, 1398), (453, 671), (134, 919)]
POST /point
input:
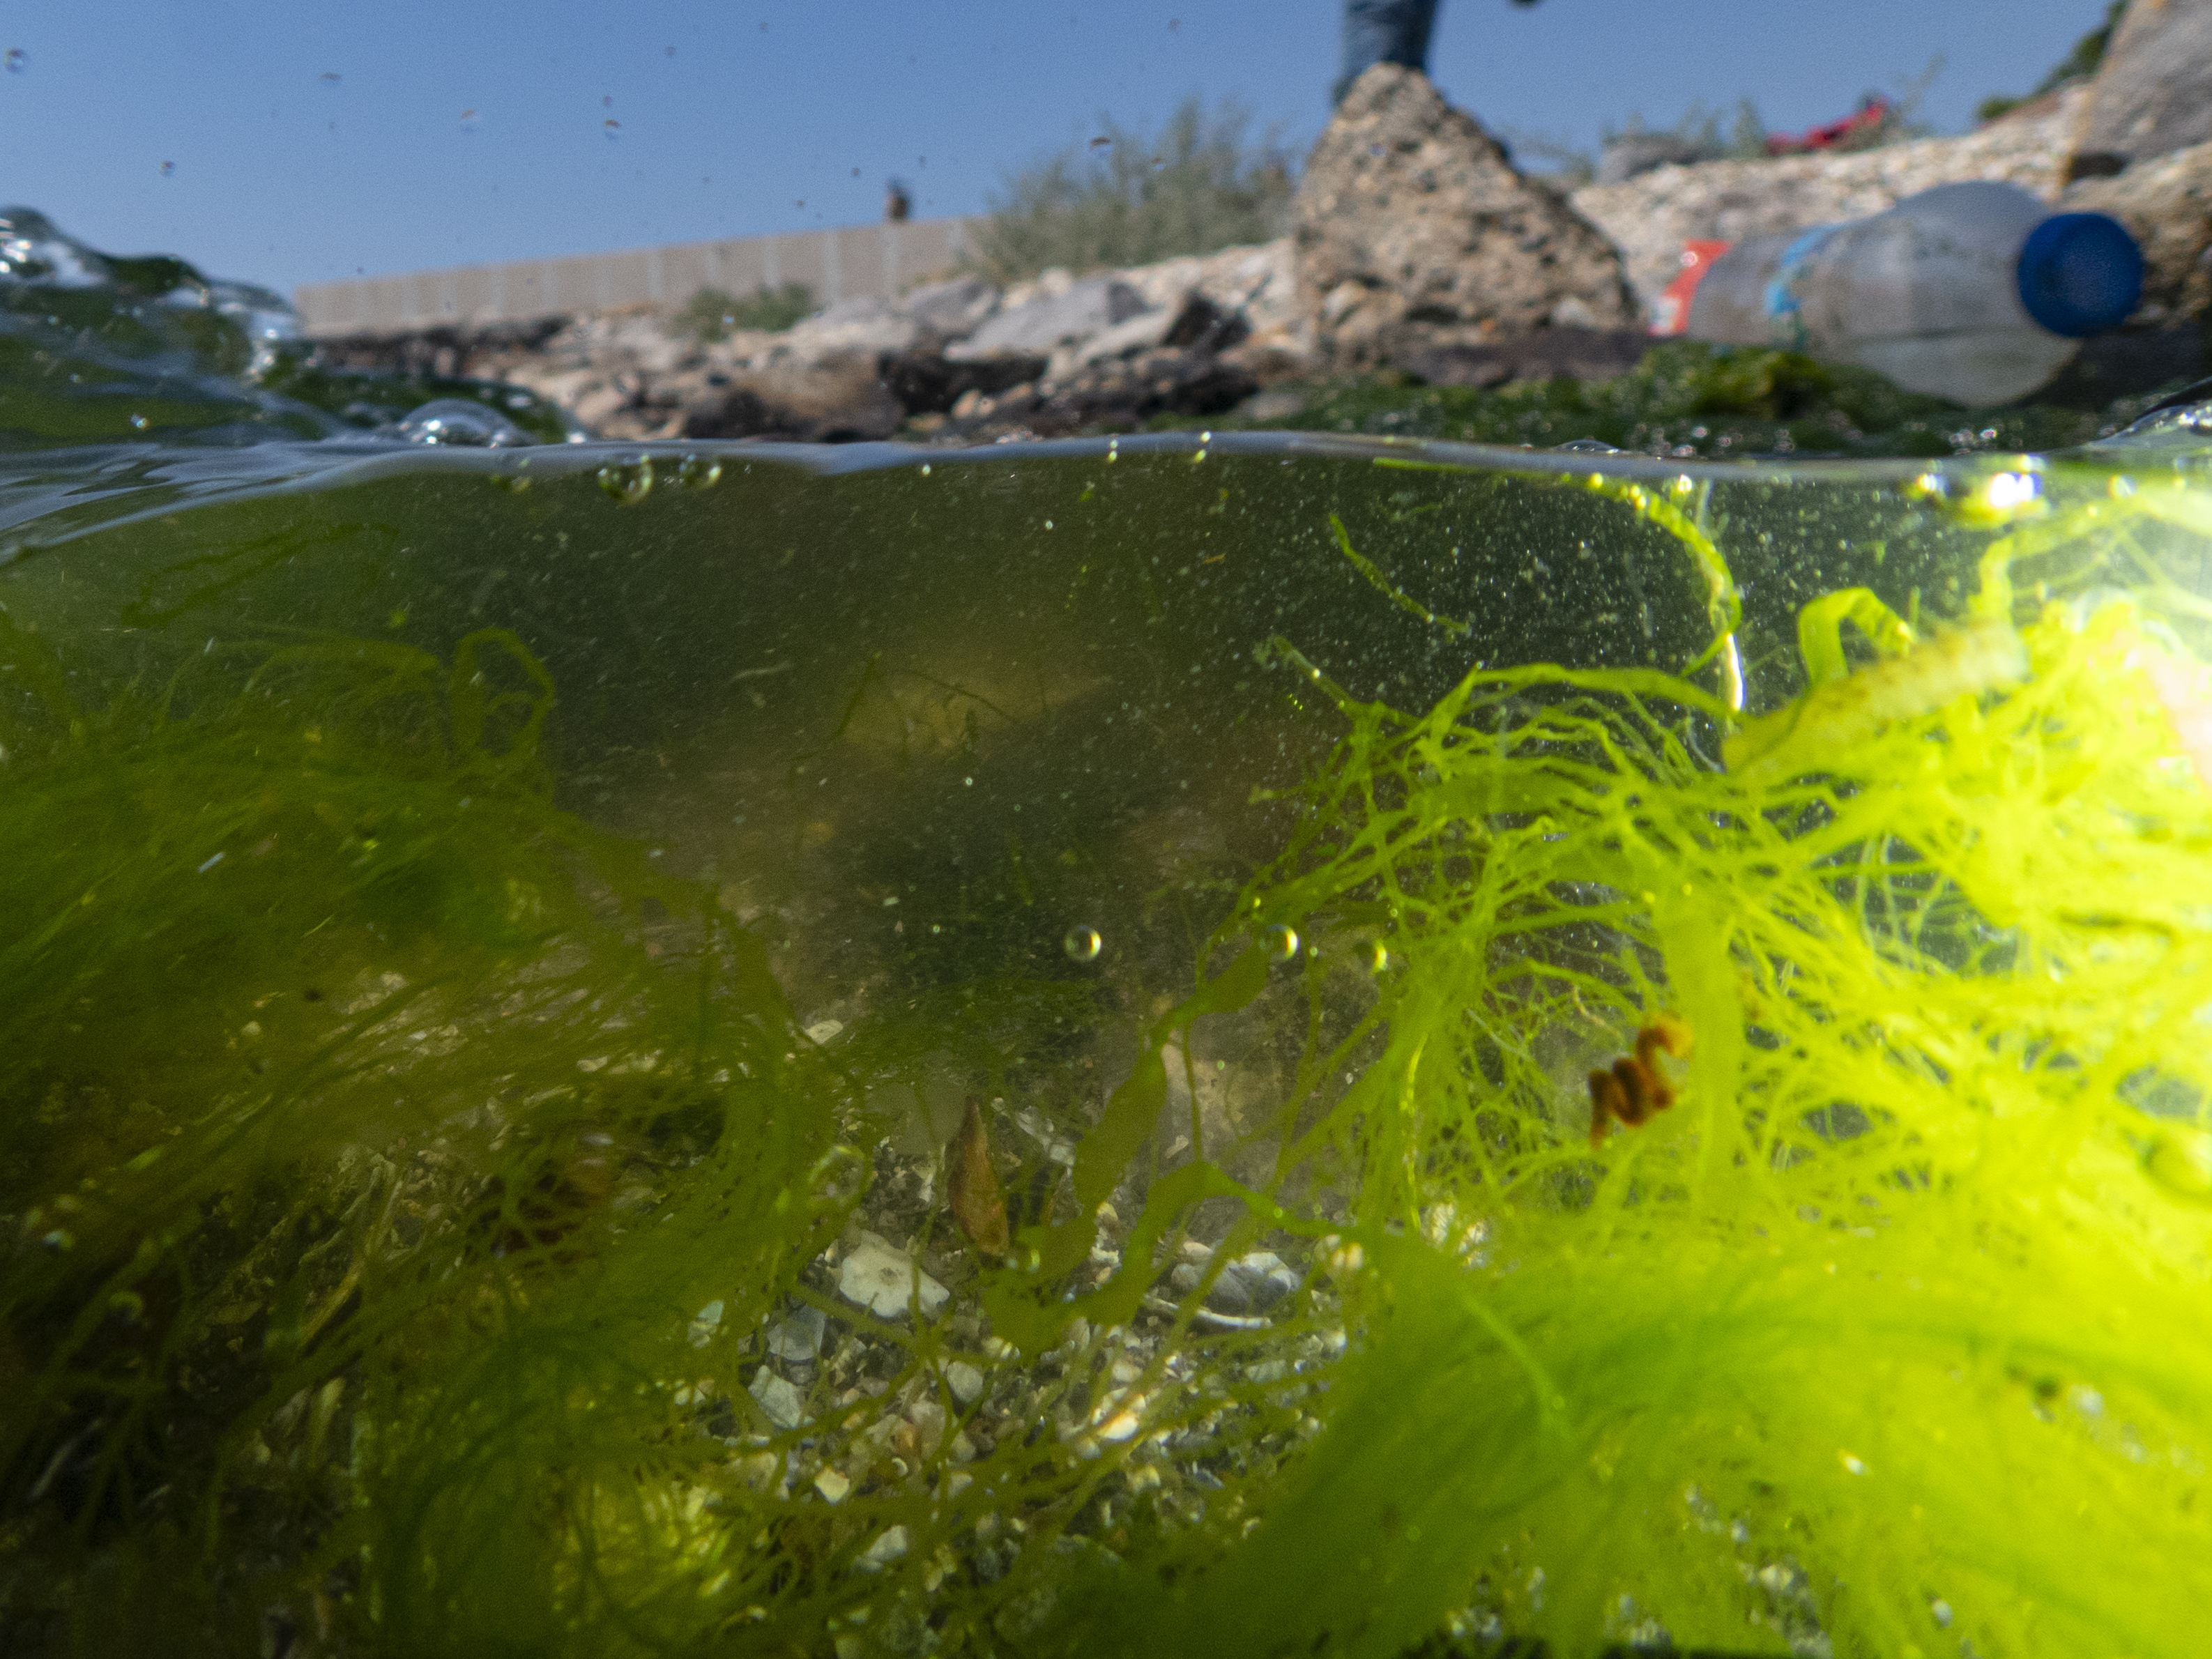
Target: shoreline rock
[(2152, 96), (1417, 246), (1414, 231), (2166, 205)]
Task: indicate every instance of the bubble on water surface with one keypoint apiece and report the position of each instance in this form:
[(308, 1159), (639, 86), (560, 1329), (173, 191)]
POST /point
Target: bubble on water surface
[(629, 483), (699, 473), (1083, 944), (1280, 942), (461, 424)]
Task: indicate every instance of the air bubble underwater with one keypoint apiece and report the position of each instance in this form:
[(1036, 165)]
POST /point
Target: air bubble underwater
[(628, 483), (1082, 944), (1279, 942), (455, 423)]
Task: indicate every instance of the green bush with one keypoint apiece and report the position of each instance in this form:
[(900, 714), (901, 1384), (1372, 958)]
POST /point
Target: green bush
[(714, 313), (1128, 198)]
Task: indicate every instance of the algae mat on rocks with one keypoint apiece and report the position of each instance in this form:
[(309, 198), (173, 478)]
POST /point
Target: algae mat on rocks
[(501, 944), (1687, 400)]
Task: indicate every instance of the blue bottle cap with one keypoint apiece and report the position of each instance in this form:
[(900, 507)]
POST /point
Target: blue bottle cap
[(2080, 274)]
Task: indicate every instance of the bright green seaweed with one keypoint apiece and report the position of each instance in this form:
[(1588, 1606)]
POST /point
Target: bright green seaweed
[(1892, 1331), (1909, 1284), (378, 1132)]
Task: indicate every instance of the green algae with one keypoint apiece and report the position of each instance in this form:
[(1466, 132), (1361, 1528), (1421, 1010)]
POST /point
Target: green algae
[(380, 1324), (1888, 1333), (333, 1047), (1687, 399)]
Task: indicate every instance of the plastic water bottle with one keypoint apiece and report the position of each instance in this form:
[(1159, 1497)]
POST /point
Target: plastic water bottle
[(1974, 292)]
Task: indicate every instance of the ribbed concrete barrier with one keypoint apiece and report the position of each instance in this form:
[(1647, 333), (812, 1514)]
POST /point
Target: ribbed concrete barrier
[(879, 258)]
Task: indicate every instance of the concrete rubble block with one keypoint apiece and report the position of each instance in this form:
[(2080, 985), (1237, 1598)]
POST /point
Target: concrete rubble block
[(1120, 396), (2166, 205), (840, 399), (929, 383), (863, 323), (952, 309), (1194, 323), (1258, 284), (2152, 93), (1411, 227), (1045, 324)]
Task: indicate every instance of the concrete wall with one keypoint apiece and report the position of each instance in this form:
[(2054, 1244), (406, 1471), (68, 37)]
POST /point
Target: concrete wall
[(879, 258)]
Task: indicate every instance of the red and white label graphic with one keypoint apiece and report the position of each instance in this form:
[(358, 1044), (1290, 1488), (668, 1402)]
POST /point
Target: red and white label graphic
[(1671, 314)]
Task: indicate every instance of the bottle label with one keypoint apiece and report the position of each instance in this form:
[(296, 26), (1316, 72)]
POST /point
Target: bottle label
[(1785, 320), (1670, 312)]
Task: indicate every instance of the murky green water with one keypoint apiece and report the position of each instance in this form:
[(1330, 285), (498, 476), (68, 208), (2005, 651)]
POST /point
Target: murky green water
[(499, 939)]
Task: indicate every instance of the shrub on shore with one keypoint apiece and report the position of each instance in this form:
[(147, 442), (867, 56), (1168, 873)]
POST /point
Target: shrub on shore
[(1127, 198), (714, 313)]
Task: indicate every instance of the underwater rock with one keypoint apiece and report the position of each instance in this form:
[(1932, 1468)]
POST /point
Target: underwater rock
[(885, 1281), (1413, 228), (798, 1337), (965, 1380), (892, 1544), (2152, 93), (777, 1399), (1249, 1285)]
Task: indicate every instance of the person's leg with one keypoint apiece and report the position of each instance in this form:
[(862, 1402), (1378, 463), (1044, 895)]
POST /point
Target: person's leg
[(1384, 32)]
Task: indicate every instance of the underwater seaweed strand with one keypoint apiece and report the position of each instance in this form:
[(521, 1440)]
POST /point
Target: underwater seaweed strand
[(1889, 1333), (339, 1052), (459, 1330)]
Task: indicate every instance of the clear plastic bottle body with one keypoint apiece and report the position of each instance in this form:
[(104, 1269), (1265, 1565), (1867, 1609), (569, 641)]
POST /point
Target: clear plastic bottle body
[(1933, 294)]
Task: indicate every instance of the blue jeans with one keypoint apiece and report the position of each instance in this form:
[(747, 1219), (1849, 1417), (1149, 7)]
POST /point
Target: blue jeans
[(1383, 32)]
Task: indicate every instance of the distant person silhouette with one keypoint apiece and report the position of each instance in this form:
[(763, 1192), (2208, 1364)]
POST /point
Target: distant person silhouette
[(1387, 32), (897, 205)]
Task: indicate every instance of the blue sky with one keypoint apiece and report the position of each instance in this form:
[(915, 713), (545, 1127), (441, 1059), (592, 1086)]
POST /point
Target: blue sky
[(739, 118)]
